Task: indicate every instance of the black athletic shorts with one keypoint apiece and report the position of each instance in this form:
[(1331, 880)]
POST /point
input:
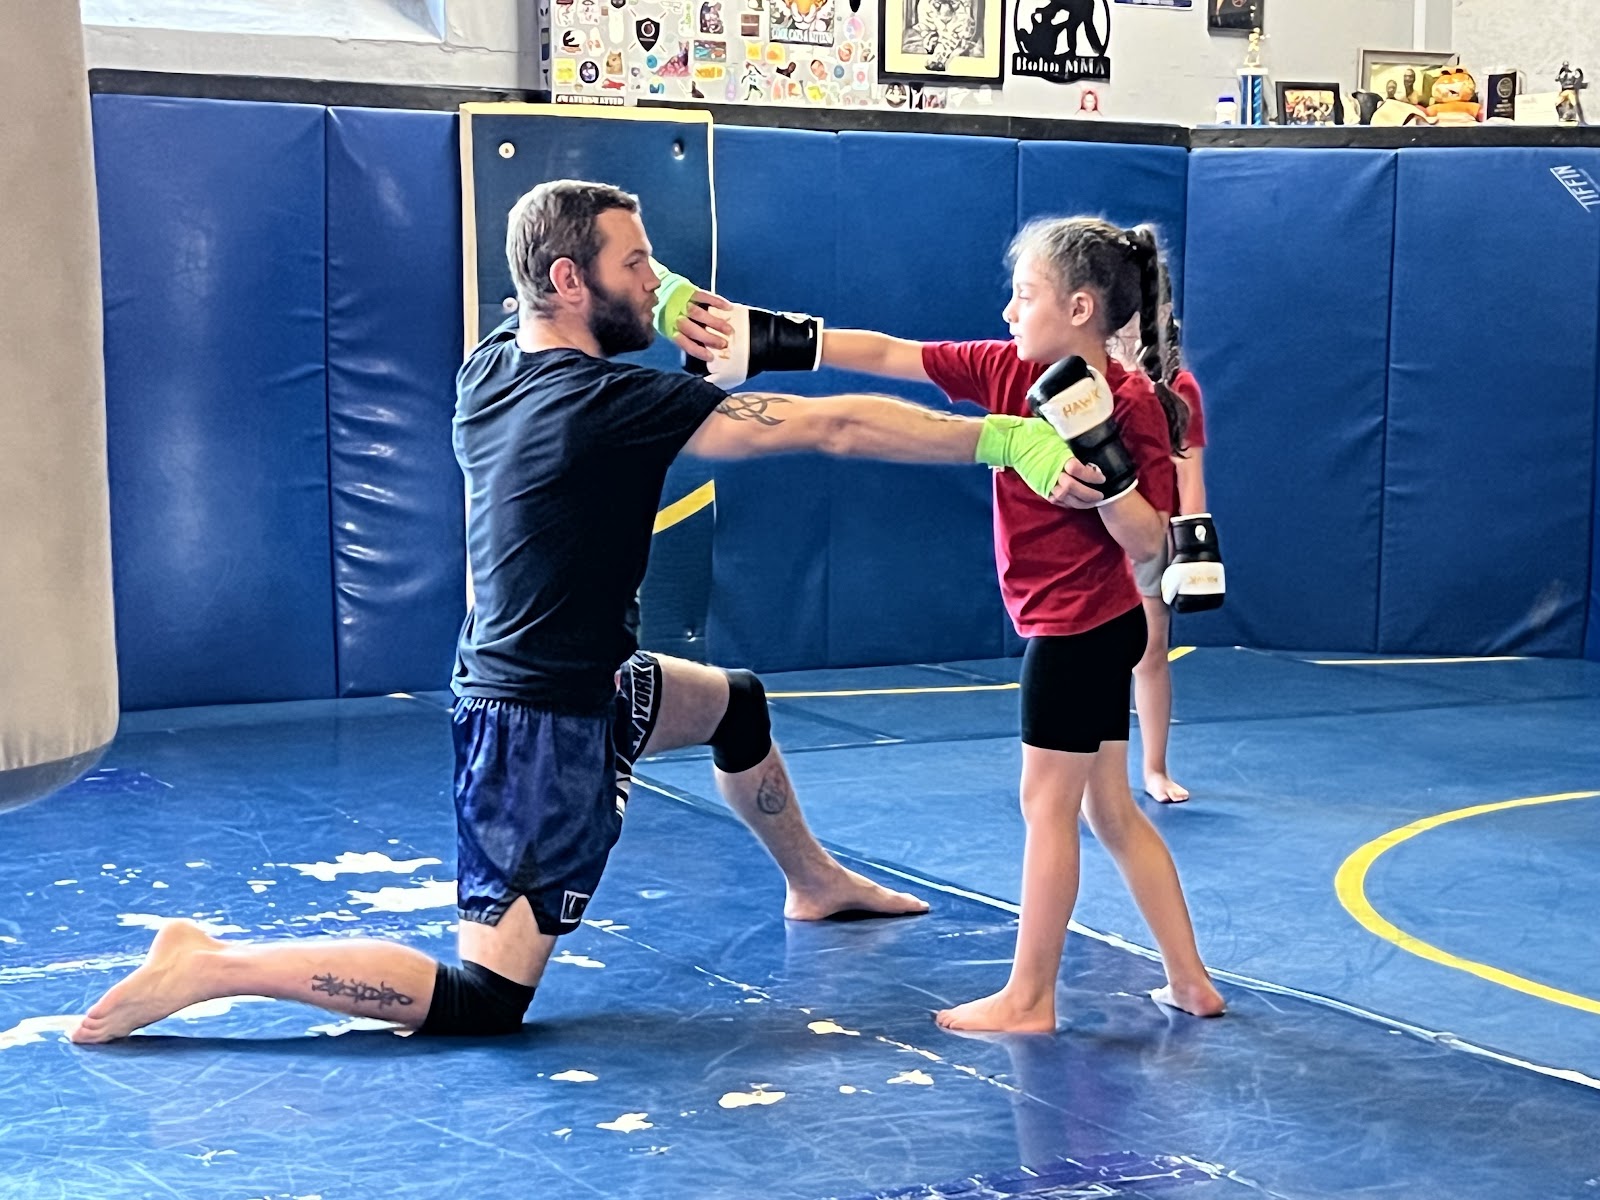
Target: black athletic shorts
[(1075, 689)]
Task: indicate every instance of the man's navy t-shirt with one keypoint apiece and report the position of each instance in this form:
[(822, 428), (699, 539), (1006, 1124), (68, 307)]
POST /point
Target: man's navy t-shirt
[(565, 457)]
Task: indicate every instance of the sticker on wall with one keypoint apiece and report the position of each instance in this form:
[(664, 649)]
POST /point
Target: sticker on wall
[(572, 41), (588, 71), (1051, 36), (648, 31), (787, 70), (589, 12), (566, 71), (677, 67), (614, 27), (716, 52), (776, 53), (1089, 102), (753, 51), (594, 44), (710, 16), (709, 72), (807, 22), (614, 64), (750, 25), (753, 83)]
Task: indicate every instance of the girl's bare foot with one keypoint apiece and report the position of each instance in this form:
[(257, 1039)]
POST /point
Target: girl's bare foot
[(845, 891), (171, 978), (1199, 999), (1003, 1012), (1161, 787)]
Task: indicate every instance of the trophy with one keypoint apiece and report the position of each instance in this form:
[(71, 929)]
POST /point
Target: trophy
[(1500, 96), (1569, 105), (1253, 83)]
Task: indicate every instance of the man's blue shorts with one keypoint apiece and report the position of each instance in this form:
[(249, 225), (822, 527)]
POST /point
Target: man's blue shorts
[(540, 798)]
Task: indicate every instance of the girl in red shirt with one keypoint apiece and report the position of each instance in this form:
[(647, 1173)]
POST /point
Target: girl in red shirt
[(1152, 678), (1067, 584)]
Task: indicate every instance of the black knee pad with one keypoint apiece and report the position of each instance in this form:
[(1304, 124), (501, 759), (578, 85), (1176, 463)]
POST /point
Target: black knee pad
[(473, 1001), (744, 736)]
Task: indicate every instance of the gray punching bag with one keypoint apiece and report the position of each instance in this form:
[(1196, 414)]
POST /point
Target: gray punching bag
[(58, 667)]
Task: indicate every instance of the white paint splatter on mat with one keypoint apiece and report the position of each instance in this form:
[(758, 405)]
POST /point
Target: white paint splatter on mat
[(350, 1024), (918, 1077), (435, 893), (577, 960), (846, 1089), (627, 1123), (830, 1027), (576, 1076), (215, 1008), (758, 1095), (350, 863), (209, 1155), (33, 1029)]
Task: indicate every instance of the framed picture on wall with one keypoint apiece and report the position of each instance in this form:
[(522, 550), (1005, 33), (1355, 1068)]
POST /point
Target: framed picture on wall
[(941, 41), (1402, 74), (1310, 104), (1235, 16)]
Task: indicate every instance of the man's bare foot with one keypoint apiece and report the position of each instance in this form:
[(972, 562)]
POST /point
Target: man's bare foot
[(1002, 1013), (1161, 787), (845, 891), (1197, 999), (165, 983)]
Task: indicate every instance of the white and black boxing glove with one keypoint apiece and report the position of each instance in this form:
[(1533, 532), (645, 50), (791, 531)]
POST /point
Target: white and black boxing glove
[(762, 341), (1194, 581), (1077, 402)]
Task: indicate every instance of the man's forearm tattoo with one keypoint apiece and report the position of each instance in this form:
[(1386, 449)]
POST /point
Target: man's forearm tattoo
[(773, 796), (383, 995), (752, 406)]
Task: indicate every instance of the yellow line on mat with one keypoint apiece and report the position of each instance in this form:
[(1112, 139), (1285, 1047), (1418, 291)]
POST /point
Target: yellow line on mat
[(1403, 662), (1350, 884), (682, 510), (901, 691), (1177, 652)]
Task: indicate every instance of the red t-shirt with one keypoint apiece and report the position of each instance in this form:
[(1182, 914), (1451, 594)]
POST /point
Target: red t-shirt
[(1188, 389), (1060, 571)]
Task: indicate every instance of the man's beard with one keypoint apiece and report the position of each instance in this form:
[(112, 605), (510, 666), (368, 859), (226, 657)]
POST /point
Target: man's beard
[(616, 324)]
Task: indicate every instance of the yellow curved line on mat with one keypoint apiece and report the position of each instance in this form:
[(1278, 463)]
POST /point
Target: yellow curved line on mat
[(1350, 884), (682, 510), (1176, 653)]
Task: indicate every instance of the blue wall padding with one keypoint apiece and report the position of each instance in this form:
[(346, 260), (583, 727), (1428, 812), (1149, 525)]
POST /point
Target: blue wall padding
[(213, 257), (776, 249), (1489, 492), (394, 343), (666, 163), (1128, 185), (1592, 629), (1398, 351), (865, 261), (1287, 327), (923, 225)]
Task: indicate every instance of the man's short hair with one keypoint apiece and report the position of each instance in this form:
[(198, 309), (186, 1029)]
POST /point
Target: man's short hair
[(557, 220)]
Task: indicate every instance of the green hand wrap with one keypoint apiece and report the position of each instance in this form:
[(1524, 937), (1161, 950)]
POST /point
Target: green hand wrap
[(672, 299), (1028, 446)]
